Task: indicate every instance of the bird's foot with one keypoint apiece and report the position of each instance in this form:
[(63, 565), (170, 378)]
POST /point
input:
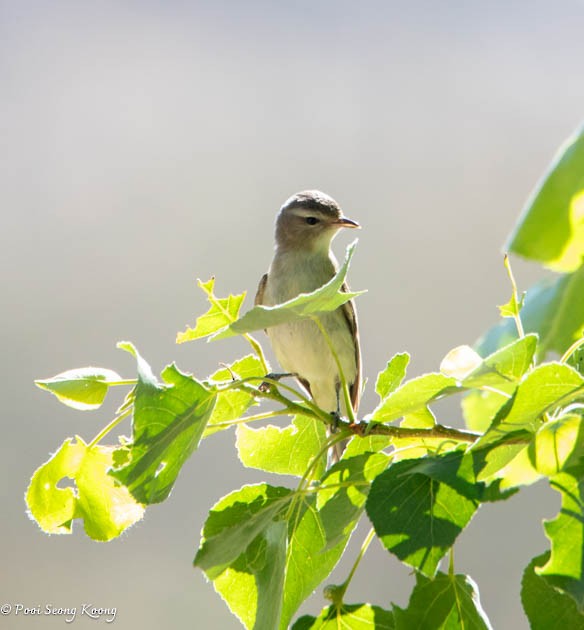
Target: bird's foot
[(273, 376), (336, 417)]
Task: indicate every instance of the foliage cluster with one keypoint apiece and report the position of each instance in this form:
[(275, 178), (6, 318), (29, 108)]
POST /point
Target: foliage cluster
[(267, 547)]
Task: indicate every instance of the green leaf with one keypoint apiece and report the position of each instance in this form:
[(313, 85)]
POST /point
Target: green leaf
[(447, 601), (235, 548), (480, 406), (232, 403), (497, 377), (349, 616), (327, 298), (576, 360), (513, 307), (460, 362), (501, 453), (145, 374), (413, 395), (286, 451), (107, 508), (489, 461), (551, 227), (395, 372), (518, 472), (235, 522), (557, 445), (565, 570), (323, 525), (506, 365), (545, 607), (221, 313), (169, 420), (554, 309), (419, 507), (370, 444), (546, 388), (243, 552), (83, 389)]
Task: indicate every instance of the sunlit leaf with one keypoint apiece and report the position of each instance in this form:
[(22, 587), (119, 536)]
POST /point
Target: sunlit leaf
[(557, 444), (447, 601), (327, 298), (419, 507), (107, 508), (513, 307), (481, 406), (544, 389), (323, 527), (413, 395), (232, 403), (235, 522), (239, 540), (565, 568), (287, 451), (168, 422), (390, 379), (505, 365), (243, 552), (546, 607), (348, 617), (83, 388), (551, 227), (554, 309), (460, 362), (221, 313), (518, 472)]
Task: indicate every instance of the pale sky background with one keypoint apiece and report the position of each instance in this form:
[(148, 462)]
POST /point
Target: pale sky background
[(145, 144)]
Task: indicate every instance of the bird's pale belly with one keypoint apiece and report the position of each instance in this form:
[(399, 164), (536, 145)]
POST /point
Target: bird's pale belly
[(301, 348)]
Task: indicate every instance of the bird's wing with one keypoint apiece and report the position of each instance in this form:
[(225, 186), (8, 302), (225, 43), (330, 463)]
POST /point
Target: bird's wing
[(351, 318), (259, 298)]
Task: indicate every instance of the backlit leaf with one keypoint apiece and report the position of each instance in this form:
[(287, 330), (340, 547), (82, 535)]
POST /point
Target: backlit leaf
[(546, 607), (107, 508), (221, 313), (167, 425), (83, 388), (447, 601), (348, 616), (287, 451), (551, 227), (327, 298), (419, 507)]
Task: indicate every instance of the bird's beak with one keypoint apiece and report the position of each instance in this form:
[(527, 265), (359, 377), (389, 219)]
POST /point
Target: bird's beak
[(347, 223)]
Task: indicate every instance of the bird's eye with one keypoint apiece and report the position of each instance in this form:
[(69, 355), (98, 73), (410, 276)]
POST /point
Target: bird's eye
[(311, 220)]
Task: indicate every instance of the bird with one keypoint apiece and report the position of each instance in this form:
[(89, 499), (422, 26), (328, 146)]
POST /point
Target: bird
[(303, 261)]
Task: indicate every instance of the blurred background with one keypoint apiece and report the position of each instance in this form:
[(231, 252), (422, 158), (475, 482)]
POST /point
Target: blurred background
[(145, 144)]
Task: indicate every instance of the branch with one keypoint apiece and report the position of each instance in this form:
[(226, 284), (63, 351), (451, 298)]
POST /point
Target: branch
[(363, 429)]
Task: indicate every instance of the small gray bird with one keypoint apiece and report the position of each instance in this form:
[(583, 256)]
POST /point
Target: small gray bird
[(303, 262)]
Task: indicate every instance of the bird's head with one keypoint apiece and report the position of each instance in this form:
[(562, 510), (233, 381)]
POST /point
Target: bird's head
[(308, 221)]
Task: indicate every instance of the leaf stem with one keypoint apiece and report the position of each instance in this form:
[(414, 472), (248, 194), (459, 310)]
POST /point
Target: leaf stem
[(344, 385), (494, 390), (516, 315), (304, 480), (570, 351), (108, 428), (368, 539), (259, 416), (128, 381), (257, 348), (311, 408)]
